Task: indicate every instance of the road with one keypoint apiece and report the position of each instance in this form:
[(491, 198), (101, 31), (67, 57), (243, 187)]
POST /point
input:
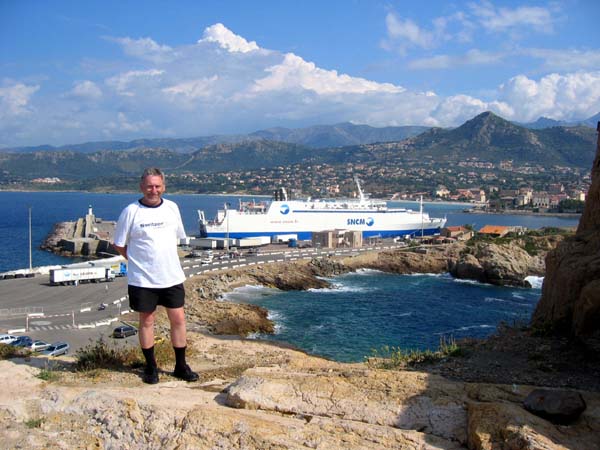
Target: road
[(34, 307)]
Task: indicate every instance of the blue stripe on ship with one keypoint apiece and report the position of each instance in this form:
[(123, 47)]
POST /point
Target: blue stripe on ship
[(307, 235)]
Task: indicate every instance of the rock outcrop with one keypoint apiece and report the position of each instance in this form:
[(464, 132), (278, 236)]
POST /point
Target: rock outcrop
[(570, 301), (502, 265), (257, 396)]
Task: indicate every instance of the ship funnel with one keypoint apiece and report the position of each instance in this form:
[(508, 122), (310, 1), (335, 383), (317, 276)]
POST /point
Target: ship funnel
[(280, 195), (202, 224)]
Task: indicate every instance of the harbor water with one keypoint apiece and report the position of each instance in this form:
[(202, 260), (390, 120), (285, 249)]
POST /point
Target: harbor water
[(362, 311)]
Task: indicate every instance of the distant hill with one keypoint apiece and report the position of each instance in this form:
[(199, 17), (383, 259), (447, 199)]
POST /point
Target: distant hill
[(322, 136), (492, 138), (340, 135), (487, 137), (545, 122)]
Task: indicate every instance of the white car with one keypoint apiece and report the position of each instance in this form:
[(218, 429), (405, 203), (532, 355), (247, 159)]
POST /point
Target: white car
[(57, 349), (7, 338), (38, 346)]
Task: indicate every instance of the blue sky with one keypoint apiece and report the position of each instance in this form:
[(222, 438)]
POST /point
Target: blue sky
[(77, 71)]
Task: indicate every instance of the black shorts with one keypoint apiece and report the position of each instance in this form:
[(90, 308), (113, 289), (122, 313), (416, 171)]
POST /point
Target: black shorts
[(146, 300)]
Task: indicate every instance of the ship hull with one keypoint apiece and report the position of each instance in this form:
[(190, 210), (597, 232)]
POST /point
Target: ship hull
[(304, 219)]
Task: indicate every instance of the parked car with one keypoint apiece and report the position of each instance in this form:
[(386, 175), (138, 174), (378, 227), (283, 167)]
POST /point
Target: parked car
[(124, 330), (7, 338), (22, 341), (38, 346), (57, 349)]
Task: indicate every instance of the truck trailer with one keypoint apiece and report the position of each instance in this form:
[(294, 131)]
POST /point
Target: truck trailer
[(66, 276)]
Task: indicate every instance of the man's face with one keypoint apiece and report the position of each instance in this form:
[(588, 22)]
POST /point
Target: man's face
[(152, 187)]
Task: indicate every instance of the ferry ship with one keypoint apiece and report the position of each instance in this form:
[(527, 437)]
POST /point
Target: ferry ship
[(282, 216)]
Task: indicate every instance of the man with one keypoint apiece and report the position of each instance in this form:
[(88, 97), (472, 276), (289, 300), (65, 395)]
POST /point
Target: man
[(147, 234)]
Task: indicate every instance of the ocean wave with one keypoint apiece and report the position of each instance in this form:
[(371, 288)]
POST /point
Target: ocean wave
[(536, 282), (494, 299), (466, 328), (369, 272), (339, 287), (434, 275), (467, 281)]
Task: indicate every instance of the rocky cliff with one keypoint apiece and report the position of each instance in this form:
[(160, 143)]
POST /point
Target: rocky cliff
[(570, 301), (257, 396)]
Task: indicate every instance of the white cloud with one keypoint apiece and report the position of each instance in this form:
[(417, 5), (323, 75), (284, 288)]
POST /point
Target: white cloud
[(503, 19), (86, 90), (294, 73), (15, 99), (144, 48), (193, 88), (200, 89), (473, 57), (227, 39), (570, 96), (123, 123), (456, 109), (125, 83), (566, 59), (408, 31)]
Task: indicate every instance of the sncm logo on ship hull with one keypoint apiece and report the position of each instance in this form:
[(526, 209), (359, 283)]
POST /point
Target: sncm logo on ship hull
[(368, 221)]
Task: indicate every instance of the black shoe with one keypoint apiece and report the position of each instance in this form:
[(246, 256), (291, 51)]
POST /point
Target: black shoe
[(150, 375), (185, 374)]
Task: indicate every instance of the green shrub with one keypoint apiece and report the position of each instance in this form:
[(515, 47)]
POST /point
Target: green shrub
[(34, 423), (48, 374), (103, 355), (396, 358)]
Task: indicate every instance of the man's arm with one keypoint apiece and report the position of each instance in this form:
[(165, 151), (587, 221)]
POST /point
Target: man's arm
[(122, 250)]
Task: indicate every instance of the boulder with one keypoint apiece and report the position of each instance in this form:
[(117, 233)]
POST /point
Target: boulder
[(559, 407)]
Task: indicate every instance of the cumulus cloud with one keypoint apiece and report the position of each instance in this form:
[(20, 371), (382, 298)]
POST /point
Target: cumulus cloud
[(144, 48), (86, 90), (15, 100), (226, 84), (456, 109), (227, 39), (293, 73), (126, 83), (193, 88), (556, 96)]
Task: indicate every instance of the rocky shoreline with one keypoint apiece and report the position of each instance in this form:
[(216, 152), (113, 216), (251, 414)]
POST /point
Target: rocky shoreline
[(506, 264)]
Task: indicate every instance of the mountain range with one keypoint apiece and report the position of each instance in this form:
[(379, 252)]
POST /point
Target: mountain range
[(486, 137), (320, 136)]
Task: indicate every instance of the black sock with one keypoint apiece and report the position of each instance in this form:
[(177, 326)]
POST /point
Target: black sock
[(180, 357), (149, 355)]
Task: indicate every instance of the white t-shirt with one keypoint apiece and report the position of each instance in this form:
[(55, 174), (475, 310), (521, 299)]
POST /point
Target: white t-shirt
[(151, 235)]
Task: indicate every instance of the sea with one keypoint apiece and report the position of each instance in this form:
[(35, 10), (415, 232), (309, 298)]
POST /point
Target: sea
[(361, 313)]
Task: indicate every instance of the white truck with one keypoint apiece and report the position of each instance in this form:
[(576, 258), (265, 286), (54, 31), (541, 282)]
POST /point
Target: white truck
[(77, 275)]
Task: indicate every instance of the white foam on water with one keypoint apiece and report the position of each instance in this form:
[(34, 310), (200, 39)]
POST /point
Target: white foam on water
[(368, 272), (339, 287), (536, 282), (493, 299), (470, 327), (473, 282)]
